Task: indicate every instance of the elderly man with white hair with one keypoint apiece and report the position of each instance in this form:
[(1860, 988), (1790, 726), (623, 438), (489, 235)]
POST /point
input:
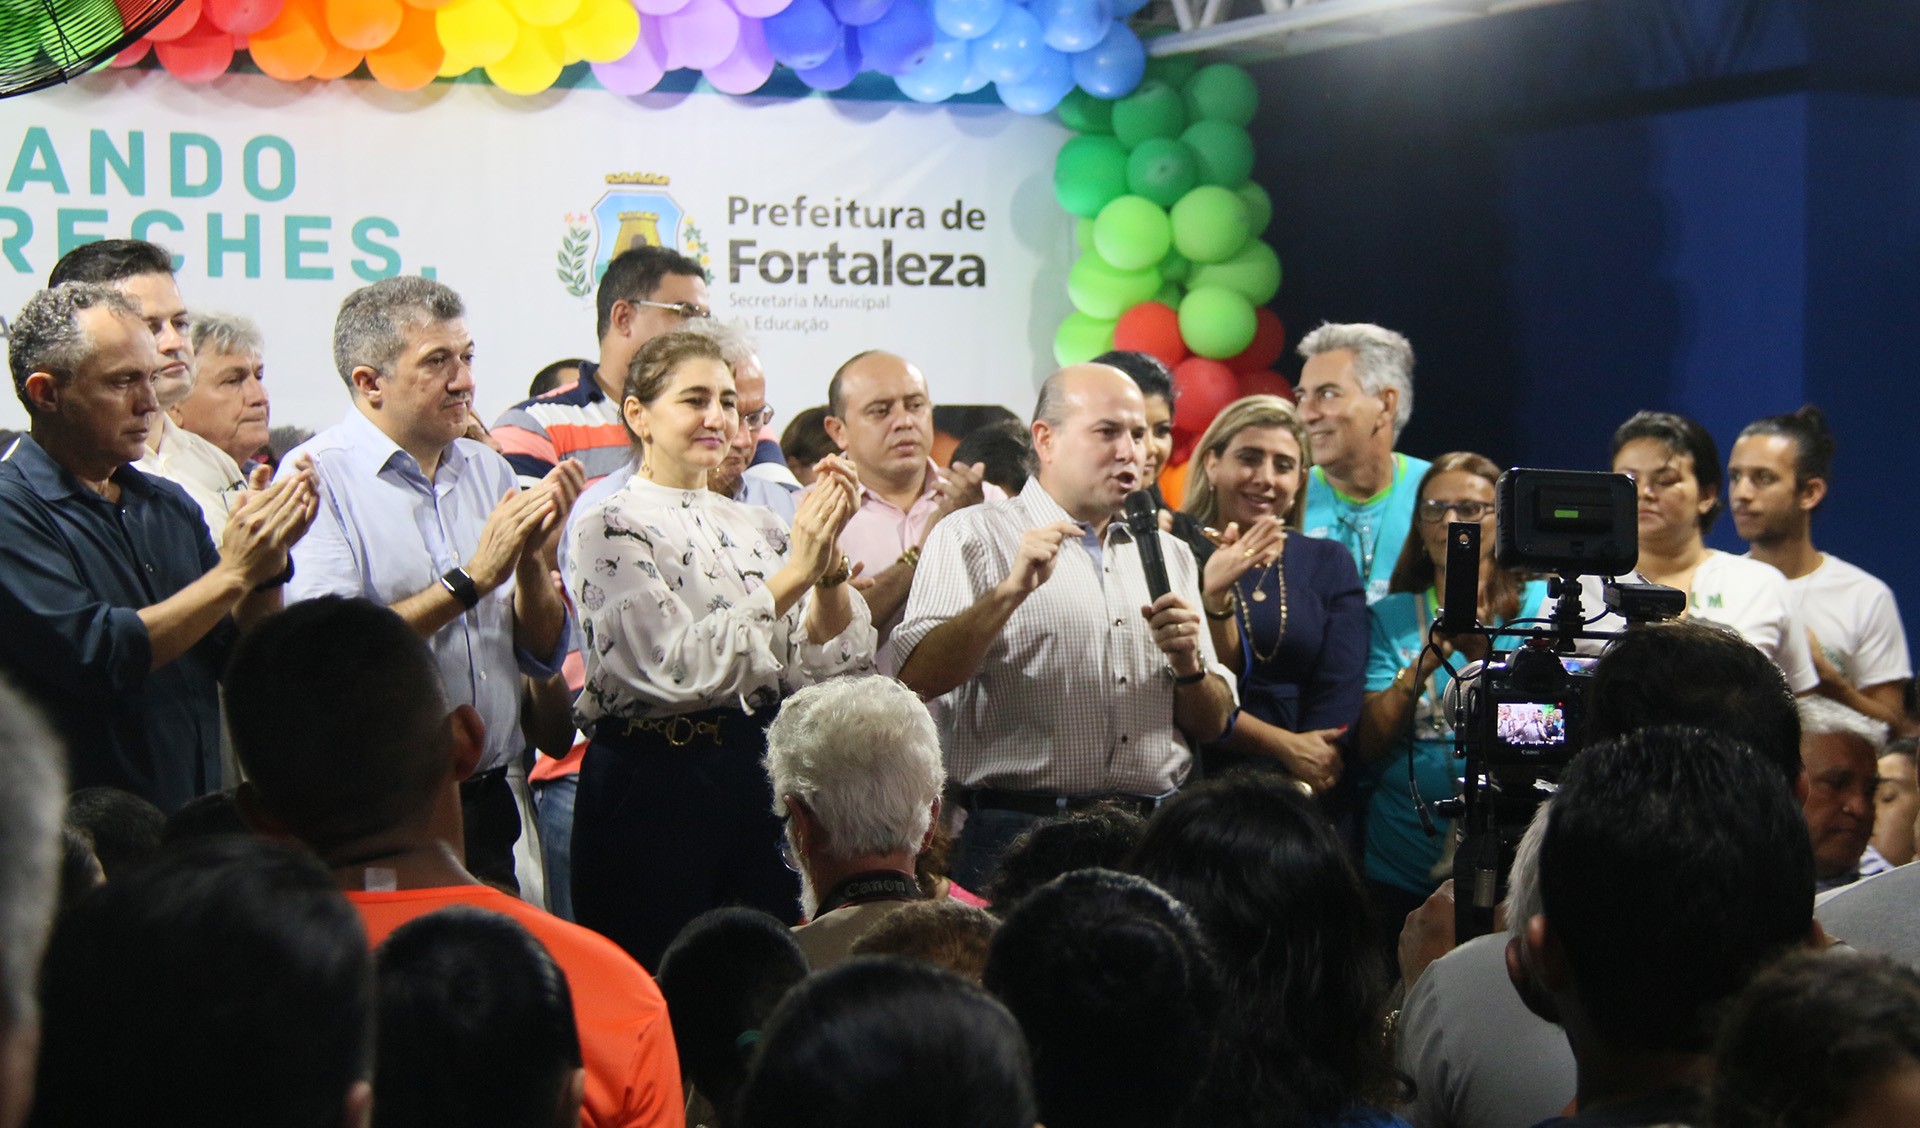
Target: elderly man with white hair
[(1356, 396), (856, 771), (1841, 749)]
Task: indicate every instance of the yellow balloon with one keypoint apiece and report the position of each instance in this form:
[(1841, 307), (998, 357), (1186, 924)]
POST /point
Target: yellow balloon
[(453, 64), (478, 31), (601, 31), (532, 65), (544, 13)]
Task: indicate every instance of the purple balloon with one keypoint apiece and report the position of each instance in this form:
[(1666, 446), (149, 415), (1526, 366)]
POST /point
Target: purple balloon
[(860, 13), (659, 7), (748, 68), (636, 72), (760, 9), (702, 34), (839, 69), (898, 41), (804, 35)]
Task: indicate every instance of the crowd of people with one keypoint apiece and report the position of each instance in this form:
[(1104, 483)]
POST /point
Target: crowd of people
[(631, 762)]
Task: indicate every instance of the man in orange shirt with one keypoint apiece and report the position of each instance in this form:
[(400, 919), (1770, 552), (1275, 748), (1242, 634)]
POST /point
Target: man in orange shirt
[(341, 725)]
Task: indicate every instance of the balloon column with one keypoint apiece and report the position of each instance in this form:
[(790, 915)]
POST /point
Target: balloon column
[(1034, 52), (1171, 260)]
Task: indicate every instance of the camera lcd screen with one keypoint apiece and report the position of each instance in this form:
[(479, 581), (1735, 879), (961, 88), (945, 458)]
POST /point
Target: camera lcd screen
[(1530, 724)]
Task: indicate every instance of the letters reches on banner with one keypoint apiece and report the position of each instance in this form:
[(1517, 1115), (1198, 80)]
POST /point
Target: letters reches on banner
[(844, 266)]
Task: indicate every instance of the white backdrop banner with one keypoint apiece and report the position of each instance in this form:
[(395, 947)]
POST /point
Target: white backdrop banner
[(829, 226)]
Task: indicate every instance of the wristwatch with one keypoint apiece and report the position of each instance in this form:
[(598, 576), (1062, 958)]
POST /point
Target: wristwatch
[(839, 575), (461, 587)]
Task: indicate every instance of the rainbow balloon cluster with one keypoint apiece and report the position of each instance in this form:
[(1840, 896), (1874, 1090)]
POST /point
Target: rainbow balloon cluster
[(1033, 51), (1169, 229)]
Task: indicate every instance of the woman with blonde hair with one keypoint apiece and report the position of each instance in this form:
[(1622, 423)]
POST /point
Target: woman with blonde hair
[(1286, 610)]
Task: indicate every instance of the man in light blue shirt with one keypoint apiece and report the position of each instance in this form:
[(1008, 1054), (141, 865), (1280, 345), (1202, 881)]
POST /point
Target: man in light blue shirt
[(1356, 395), (434, 526)]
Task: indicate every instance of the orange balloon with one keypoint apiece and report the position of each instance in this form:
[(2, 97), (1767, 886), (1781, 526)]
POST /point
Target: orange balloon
[(428, 5), (1173, 483), (293, 46), (363, 25), (413, 57), (177, 24), (339, 63)]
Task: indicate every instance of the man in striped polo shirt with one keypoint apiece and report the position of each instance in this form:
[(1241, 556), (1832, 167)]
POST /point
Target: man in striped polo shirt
[(645, 292)]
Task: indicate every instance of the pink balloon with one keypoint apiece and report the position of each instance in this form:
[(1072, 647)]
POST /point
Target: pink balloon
[(760, 9), (639, 70), (702, 34), (748, 68)]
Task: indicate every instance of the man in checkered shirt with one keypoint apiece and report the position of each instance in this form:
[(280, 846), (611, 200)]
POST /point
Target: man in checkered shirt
[(1063, 682)]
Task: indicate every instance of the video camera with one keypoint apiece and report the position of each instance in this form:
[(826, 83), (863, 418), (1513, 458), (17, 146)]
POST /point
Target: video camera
[(1521, 716)]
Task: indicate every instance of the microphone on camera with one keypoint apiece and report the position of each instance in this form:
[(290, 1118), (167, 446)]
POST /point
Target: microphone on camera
[(1143, 519)]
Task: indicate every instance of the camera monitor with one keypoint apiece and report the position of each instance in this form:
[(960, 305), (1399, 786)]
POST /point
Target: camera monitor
[(1574, 522)]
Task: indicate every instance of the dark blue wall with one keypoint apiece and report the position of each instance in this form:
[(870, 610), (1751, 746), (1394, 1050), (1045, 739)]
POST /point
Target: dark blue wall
[(1579, 211)]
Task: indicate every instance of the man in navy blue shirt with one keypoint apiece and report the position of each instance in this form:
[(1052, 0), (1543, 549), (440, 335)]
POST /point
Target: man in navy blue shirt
[(116, 609)]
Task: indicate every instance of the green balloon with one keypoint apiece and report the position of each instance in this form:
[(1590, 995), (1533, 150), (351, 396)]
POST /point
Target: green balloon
[(1173, 70), (1090, 171), (1209, 224), (1222, 153), (1081, 338), (1133, 233), (1169, 296), (1175, 267), (1099, 289), (1153, 109), (1083, 113), (1162, 170), (1083, 233), (1216, 322), (1221, 92), (1253, 273), (1259, 206)]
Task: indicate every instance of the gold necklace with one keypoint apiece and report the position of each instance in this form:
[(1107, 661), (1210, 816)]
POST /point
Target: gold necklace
[(1278, 569)]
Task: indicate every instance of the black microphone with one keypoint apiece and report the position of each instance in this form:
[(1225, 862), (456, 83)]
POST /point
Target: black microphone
[(1143, 518), (1461, 609)]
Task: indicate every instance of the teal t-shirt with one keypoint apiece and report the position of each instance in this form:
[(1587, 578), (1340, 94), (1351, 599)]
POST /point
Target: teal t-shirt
[(1399, 852), (1373, 530)]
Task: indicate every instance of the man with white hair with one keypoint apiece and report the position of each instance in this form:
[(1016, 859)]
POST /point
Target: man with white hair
[(1356, 396), (1841, 749), (856, 771), (33, 788)]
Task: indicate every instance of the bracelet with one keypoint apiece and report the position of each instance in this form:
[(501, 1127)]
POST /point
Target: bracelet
[(1194, 678), (911, 558), (1411, 685), (280, 580), (839, 575), (460, 585), (1220, 616)]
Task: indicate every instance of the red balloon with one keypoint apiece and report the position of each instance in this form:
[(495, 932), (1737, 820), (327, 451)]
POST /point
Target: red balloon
[(243, 17), (1269, 342), (135, 51), (1205, 387), (1152, 328), (178, 24), (201, 55), (1266, 384)]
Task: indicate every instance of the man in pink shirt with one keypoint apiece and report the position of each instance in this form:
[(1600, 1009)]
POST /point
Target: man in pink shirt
[(880, 415)]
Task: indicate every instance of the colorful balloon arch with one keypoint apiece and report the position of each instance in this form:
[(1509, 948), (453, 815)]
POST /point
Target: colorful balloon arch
[(1169, 228), (1034, 52)]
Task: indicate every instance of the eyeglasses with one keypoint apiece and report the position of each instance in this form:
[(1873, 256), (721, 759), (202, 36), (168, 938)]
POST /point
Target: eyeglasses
[(758, 419), (686, 311), (1434, 510)]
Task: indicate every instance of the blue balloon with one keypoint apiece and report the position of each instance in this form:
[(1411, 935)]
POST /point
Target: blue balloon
[(803, 34), (1073, 25), (976, 78), (859, 13), (1012, 50), (939, 75), (898, 41), (1043, 89), (1112, 67), (1124, 8), (838, 70), (967, 19)]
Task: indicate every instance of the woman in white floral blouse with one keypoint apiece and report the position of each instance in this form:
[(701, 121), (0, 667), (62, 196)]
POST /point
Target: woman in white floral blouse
[(699, 615)]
